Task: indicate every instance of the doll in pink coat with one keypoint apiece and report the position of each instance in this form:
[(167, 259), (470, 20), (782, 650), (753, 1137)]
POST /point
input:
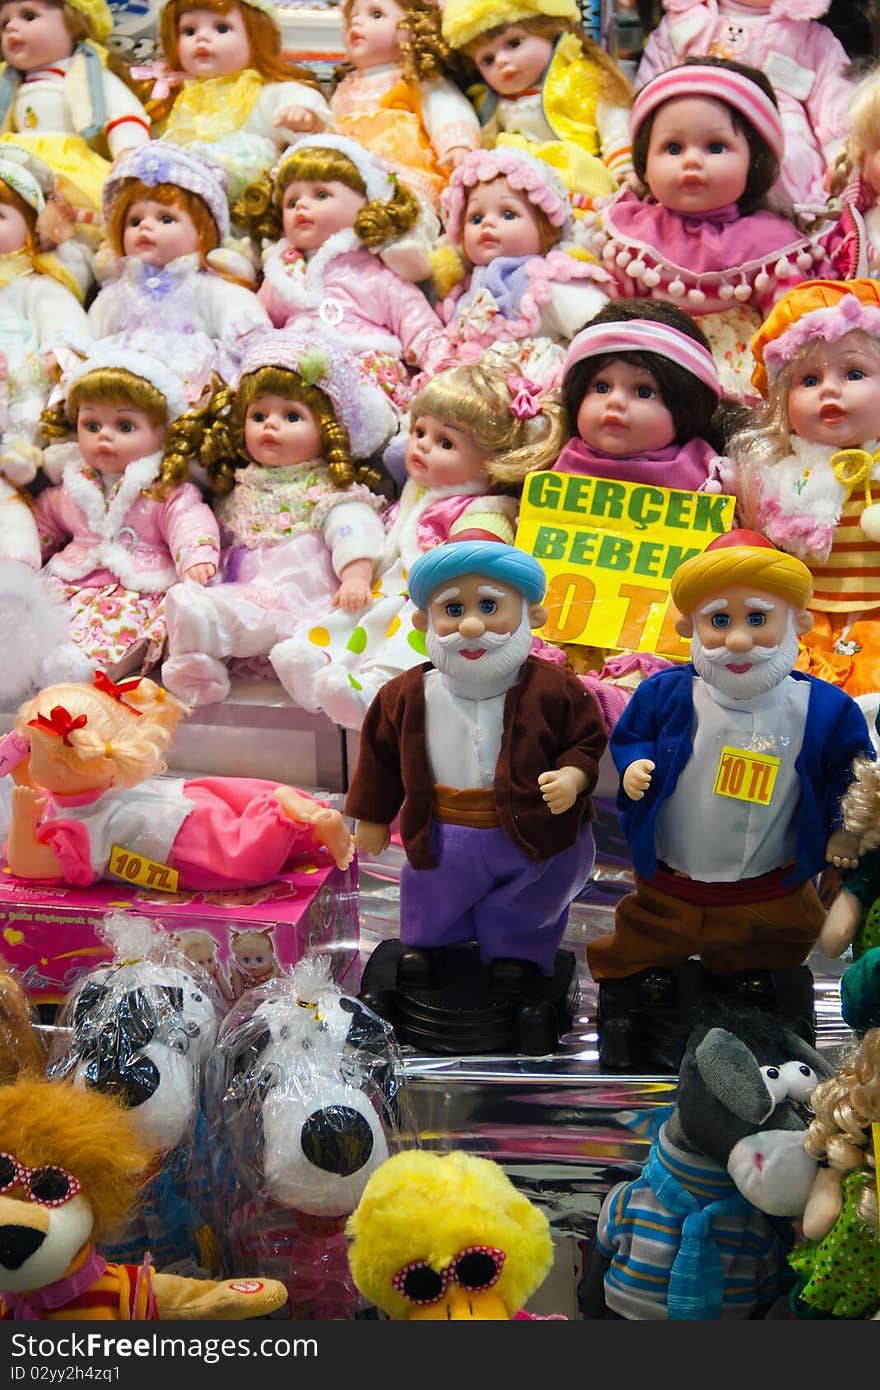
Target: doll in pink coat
[(90, 789), (341, 212), (122, 524), (707, 143), (853, 244), (804, 62)]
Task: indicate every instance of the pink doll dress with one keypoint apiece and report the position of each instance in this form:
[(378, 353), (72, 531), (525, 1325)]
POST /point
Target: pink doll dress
[(217, 832)]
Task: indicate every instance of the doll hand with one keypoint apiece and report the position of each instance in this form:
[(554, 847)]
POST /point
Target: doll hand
[(57, 222), (27, 807), (631, 180), (352, 596), (200, 574), (561, 788), (298, 118), (637, 778), (843, 920), (842, 850), (457, 155), (371, 837)]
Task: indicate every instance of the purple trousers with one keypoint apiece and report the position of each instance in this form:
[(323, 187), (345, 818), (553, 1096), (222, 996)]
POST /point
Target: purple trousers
[(485, 889)]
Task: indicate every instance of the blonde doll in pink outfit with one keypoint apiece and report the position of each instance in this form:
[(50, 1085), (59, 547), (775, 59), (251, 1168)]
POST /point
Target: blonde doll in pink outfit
[(123, 523)]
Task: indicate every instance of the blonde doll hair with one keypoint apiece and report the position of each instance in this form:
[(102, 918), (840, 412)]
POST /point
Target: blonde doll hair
[(263, 34), (118, 387), (477, 399), (224, 452), (127, 738), (613, 88), (845, 1108), (860, 805), (864, 118), (376, 222), (425, 55)]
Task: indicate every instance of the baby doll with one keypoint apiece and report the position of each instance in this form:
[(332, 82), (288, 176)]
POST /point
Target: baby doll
[(337, 205), (166, 214), (240, 101), (299, 532), (38, 313), (60, 98), (394, 95), (838, 1266), (523, 296), (123, 524), (475, 431), (201, 948), (96, 752), (808, 466), (707, 141), (253, 961), (549, 88), (805, 63)]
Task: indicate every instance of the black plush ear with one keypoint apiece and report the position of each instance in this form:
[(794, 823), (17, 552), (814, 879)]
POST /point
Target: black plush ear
[(800, 1051), (729, 1070)]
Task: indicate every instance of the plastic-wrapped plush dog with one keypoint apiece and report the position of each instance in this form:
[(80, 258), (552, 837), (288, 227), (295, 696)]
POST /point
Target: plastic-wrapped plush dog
[(70, 1172), (691, 1238), (142, 1029), (302, 1093)]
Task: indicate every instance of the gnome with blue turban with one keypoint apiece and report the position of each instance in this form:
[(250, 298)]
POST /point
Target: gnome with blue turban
[(490, 756)]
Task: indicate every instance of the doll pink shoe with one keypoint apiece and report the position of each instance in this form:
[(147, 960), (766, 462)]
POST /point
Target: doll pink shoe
[(196, 678), (296, 664)]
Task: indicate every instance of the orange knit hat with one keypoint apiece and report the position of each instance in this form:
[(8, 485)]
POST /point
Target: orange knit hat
[(741, 557), (825, 309)]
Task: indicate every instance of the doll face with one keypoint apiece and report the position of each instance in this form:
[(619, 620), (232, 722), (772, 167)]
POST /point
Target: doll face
[(834, 397), (157, 233), (439, 455), (111, 437), (499, 222), (623, 412), (211, 44), (373, 34), (697, 159), (279, 432), (13, 229), (33, 34), (312, 212), (513, 61)]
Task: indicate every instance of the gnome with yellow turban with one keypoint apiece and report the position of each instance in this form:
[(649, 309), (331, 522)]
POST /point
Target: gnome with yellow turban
[(732, 768)]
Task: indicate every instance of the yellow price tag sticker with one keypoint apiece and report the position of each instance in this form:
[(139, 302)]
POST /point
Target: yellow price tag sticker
[(137, 868), (746, 776)]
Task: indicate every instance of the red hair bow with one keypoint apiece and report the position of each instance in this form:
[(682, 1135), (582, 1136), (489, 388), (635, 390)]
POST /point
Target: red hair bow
[(60, 722), (116, 692)]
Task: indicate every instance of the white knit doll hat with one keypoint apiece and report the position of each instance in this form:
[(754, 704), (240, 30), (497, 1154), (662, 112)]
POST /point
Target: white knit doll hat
[(379, 179), (129, 357), (524, 173), (360, 405), (26, 175), (163, 162)]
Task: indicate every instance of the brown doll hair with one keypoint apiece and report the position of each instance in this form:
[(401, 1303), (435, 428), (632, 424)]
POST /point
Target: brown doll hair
[(614, 87), (264, 37), (260, 206)]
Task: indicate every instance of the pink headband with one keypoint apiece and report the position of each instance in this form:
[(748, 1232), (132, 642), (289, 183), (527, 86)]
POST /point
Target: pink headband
[(643, 335), (694, 80)]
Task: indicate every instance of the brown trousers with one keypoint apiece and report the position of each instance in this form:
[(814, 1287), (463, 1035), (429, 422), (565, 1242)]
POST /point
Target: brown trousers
[(653, 928)]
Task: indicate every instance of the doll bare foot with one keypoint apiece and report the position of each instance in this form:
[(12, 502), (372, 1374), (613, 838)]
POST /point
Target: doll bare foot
[(329, 828)]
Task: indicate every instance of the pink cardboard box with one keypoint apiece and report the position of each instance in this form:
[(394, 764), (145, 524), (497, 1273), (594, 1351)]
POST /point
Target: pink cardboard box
[(47, 931)]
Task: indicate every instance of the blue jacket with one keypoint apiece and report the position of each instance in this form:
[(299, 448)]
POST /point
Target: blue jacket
[(657, 724)]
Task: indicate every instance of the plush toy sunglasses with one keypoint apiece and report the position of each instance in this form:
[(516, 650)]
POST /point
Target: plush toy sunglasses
[(476, 1268), (48, 1186)]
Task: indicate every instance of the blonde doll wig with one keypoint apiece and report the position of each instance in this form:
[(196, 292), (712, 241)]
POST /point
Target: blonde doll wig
[(845, 1108), (425, 55), (478, 399), (864, 119)]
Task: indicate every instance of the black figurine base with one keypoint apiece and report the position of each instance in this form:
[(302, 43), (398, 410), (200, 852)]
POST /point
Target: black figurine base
[(446, 1001)]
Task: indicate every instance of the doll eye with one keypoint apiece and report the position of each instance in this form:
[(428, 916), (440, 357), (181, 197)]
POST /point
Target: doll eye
[(673, 147), (224, 28), (488, 606), (186, 31), (644, 393), (475, 219), (167, 219), (258, 415), (293, 417), (91, 427), (601, 388), (757, 619), (509, 215), (810, 379), (446, 442), (514, 43), (720, 620), (126, 426), (487, 61), (717, 147), (454, 610), (134, 221), (855, 375), (800, 1080)]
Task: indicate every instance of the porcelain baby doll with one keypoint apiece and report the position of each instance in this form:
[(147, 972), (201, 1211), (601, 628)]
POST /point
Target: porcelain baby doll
[(95, 755), (59, 97), (239, 100), (38, 312), (395, 97), (337, 207), (523, 296), (123, 524), (474, 433), (166, 216), (300, 531), (806, 64), (808, 466), (707, 141), (549, 88)]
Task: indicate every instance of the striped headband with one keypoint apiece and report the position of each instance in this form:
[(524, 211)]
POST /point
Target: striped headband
[(694, 80), (643, 335)]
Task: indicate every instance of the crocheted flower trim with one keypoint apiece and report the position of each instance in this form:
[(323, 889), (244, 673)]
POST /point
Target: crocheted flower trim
[(523, 173)]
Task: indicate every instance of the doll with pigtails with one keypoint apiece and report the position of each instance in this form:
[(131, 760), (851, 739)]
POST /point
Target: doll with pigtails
[(475, 433), (853, 245)]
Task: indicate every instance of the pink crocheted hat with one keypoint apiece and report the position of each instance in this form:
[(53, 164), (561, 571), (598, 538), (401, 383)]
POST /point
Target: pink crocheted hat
[(721, 84), (359, 405), (163, 162), (523, 173)]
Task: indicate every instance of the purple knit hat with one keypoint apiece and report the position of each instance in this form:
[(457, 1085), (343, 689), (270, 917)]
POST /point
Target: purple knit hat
[(524, 173), (162, 162)]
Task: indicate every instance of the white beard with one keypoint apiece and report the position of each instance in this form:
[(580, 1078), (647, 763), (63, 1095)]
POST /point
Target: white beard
[(770, 668), (480, 680)]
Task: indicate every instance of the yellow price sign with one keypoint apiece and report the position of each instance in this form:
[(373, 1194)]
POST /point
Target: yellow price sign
[(137, 868), (746, 776), (609, 551)]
